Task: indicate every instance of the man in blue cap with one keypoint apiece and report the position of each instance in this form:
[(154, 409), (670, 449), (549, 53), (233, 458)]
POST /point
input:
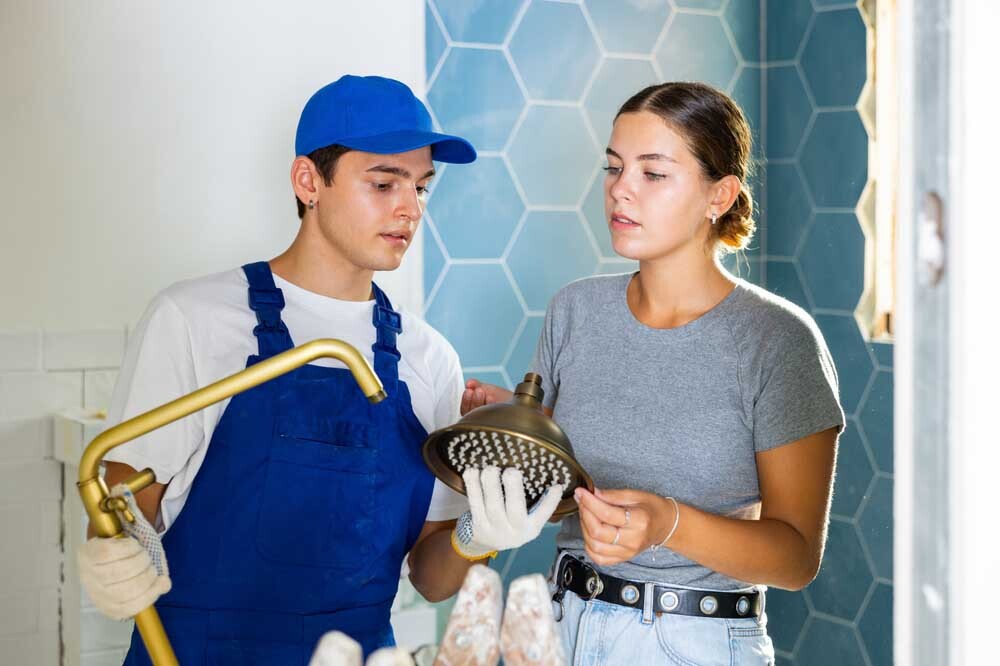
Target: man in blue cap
[(300, 499)]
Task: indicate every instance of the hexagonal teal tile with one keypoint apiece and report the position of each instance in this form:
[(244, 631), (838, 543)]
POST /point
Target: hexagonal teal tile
[(700, 4), (434, 259), (557, 174), (844, 577), (556, 69), (616, 267), (788, 210), (617, 80), (484, 21), (628, 27), (551, 250), (876, 527), (835, 159), (835, 58), (828, 643), (535, 557), (746, 92), (787, 613), (743, 18), (690, 33), (788, 111), (877, 420), (434, 41), (745, 265), (833, 254), (475, 308), (883, 353), (475, 96), (475, 208), (854, 473), (787, 21), (593, 213), (850, 356), (876, 626), (524, 349), (783, 279), (489, 377)]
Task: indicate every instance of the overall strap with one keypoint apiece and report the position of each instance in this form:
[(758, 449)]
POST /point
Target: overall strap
[(267, 301), (388, 324)]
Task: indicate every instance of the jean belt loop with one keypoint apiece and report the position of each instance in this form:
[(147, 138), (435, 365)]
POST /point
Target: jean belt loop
[(648, 600), (762, 604)]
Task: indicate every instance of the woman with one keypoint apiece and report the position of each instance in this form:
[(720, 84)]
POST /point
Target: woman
[(704, 407)]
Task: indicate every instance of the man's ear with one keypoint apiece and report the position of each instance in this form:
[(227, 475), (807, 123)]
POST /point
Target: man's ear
[(304, 180)]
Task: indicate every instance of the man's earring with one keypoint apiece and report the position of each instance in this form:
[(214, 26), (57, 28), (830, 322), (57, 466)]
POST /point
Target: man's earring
[(313, 205)]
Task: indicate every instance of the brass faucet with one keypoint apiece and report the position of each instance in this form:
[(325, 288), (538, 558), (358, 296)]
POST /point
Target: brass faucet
[(94, 491)]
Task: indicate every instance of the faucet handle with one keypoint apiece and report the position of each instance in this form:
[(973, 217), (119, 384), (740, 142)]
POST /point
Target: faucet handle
[(120, 505)]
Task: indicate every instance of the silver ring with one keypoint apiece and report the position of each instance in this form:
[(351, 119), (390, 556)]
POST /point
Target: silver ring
[(628, 516), (618, 533)]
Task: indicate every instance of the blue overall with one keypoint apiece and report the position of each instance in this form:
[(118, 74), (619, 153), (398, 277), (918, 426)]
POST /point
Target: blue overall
[(306, 503)]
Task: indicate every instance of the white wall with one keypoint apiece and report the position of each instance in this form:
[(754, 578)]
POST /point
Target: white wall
[(144, 142), (141, 142)]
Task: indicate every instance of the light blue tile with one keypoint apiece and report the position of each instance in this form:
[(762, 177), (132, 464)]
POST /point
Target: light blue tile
[(743, 18), (786, 617), (484, 21), (617, 80), (435, 42), (488, 377), (835, 159), (475, 96), (628, 27), (876, 626), (700, 4), (524, 349), (844, 577), (850, 356), (788, 211), (593, 213), (702, 35), (788, 112), (551, 251), (433, 261), (745, 265), (554, 69), (535, 557), (616, 267), (827, 643), (835, 58), (747, 93), (883, 353), (876, 527), (553, 155), (783, 279), (877, 420), (476, 208), (833, 260), (476, 310), (854, 473), (787, 21)]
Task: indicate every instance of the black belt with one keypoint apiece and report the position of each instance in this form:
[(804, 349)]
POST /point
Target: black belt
[(587, 583)]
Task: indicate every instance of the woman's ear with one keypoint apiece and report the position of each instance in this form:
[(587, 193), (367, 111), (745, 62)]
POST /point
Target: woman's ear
[(724, 194)]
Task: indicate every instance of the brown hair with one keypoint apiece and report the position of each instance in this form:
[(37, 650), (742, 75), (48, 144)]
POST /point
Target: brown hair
[(718, 135), (325, 160)]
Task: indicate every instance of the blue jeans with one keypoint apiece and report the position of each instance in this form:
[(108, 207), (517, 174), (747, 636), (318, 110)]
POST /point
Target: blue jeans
[(596, 633)]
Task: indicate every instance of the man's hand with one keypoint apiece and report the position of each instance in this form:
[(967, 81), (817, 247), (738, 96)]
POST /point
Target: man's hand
[(119, 576), (498, 518), (478, 394)]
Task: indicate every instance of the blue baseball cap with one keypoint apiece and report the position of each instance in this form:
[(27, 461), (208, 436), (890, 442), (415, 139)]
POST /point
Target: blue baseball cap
[(375, 115)]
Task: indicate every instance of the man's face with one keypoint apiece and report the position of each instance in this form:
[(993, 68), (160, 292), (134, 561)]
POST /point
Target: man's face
[(370, 210)]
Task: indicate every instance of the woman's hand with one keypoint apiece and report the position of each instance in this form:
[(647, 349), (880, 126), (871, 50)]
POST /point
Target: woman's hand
[(619, 524), (477, 394)]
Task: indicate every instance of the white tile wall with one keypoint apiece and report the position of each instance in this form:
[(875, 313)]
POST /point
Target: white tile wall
[(79, 350), (20, 351)]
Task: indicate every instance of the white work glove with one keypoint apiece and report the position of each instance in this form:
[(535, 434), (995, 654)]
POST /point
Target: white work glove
[(498, 518), (338, 649), (119, 576)]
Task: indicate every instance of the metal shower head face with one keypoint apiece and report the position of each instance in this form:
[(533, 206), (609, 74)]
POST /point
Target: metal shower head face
[(515, 434)]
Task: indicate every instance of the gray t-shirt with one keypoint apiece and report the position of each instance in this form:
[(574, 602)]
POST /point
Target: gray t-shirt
[(681, 412)]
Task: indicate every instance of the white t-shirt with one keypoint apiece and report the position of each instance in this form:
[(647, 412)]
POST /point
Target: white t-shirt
[(199, 331)]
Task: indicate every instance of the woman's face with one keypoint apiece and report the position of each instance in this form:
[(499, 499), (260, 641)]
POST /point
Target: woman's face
[(656, 198)]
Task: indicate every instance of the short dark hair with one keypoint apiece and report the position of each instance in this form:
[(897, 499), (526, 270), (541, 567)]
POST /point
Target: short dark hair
[(718, 134), (325, 160)]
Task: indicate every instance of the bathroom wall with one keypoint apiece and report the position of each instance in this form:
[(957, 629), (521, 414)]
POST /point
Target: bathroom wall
[(503, 234), (143, 143)]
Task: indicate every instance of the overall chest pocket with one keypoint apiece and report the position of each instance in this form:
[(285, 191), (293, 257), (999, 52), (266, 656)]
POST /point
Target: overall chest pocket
[(317, 504)]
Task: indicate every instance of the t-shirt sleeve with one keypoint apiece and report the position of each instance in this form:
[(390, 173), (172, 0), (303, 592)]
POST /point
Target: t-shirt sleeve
[(446, 504), (543, 363), (798, 393), (158, 367)]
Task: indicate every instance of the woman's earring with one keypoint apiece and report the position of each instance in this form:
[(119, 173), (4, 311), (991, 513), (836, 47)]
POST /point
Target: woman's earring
[(715, 216), (313, 205)]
